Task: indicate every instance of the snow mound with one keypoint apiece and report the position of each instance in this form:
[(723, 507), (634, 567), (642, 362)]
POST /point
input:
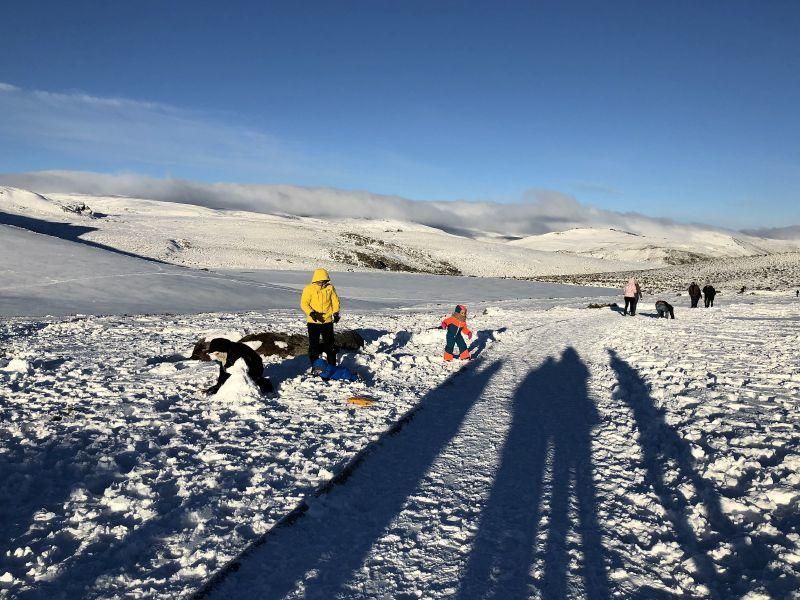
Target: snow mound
[(239, 394), (17, 365)]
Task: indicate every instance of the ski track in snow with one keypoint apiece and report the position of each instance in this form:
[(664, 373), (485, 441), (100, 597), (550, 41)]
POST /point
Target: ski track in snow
[(583, 454)]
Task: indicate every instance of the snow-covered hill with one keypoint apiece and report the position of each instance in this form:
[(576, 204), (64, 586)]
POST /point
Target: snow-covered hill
[(201, 237), (771, 272), (45, 275), (207, 238), (683, 246)]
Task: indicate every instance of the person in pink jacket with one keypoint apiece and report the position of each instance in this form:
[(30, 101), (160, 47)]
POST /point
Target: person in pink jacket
[(632, 293)]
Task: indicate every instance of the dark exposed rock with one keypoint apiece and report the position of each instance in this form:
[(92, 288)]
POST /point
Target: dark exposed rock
[(349, 340), (80, 208), (200, 351), (285, 344), (278, 344), (594, 305)]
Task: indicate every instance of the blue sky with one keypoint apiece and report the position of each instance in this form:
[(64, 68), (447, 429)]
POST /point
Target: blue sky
[(686, 110)]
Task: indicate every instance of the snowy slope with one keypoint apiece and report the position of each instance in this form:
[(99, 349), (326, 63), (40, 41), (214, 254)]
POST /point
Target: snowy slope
[(194, 236), (551, 467), (771, 272), (685, 245), (45, 275)]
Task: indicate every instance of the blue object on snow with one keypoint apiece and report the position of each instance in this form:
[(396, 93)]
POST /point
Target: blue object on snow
[(332, 372)]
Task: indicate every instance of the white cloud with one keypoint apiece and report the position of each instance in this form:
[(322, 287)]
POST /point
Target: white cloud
[(128, 131), (121, 133), (539, 211), (791, 232), (167, 137)]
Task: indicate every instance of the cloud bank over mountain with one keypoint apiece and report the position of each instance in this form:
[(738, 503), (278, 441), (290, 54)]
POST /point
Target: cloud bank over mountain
[(776, 233), (539, 211)]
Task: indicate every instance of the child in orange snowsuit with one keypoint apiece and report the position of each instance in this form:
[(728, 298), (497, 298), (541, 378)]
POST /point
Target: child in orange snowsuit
[(456, 324)]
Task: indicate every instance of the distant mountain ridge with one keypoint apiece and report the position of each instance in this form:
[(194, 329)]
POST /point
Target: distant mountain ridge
[(197, 236), (684, 246), (792, 232)]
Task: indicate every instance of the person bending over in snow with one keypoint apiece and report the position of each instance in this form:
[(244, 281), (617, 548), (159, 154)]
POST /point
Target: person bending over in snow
[(456, 324), (664, 308), (226, 353), (321, 305)]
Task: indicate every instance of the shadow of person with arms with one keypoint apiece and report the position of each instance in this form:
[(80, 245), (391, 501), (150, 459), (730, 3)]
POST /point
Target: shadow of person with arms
[(321, 550), (551, 428), (669, 464)]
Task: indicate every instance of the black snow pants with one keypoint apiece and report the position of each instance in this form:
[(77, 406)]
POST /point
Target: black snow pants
[(710, 300), (315, 348), (632, 303), (695, 300)]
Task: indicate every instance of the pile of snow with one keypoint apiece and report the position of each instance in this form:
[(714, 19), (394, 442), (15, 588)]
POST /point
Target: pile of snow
[(239, 393)]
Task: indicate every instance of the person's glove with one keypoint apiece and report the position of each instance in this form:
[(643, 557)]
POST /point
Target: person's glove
[(336, 317), (316, 316)]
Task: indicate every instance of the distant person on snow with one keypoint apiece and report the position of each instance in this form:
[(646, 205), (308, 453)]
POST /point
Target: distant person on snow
[(694, 294), (226, 353), (708, 294), (456, 324), (632, 293), (664, 308), (321, 305)]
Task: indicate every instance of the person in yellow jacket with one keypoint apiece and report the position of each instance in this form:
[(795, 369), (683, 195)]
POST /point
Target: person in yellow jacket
[(321, 305)]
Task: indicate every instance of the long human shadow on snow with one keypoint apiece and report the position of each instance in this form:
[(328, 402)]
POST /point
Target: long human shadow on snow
[(665, 454), (553, 415), (332, 539), (133, 553), (482, 339), (39, 478)]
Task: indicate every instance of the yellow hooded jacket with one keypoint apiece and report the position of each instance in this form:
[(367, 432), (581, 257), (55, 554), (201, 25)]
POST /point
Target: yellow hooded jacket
[(322, 299)]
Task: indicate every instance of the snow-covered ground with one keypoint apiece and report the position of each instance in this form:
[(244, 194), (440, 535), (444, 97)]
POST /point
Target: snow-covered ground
[(582, 454)]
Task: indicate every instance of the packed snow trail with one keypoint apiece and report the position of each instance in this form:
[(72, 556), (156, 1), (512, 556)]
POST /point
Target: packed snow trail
[(405, 520), (524, 477)]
